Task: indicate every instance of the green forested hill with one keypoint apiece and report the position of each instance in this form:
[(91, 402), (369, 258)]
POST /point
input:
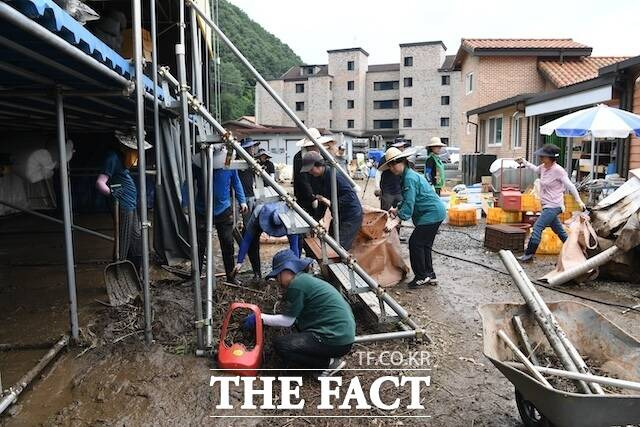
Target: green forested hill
[(266, 52)]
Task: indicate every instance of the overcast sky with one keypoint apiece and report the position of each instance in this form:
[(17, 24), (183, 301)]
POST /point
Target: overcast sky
[(312, 27)]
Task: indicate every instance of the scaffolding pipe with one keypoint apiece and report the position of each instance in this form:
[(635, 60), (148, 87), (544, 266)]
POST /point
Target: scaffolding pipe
[(57, 221), (582, 269), (514, 348), (156, 102), (142, 164), (320, 231), (385, 336), (28, 378), (66, 215), (210, 262), (186, 139), (568, 355), (22, 22), (269, 89)]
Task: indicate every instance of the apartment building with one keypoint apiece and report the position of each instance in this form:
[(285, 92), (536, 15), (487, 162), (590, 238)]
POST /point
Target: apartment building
[(416, 98)]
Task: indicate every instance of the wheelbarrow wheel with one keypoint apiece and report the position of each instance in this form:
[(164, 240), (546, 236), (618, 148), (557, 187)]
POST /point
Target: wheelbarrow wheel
[(529, 414)]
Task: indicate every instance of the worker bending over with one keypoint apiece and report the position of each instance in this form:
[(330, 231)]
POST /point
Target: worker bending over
[(388, 185), (349, 208), (421, 204), (553, 182), (325, 323)]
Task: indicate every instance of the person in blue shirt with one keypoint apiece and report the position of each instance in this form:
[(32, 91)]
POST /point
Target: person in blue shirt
[(421, 204), (223, 181), (115, 181), (349, 207)]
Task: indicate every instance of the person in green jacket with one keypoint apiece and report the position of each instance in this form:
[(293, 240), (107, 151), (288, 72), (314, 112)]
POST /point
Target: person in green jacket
[(421, 204), (433, 167)]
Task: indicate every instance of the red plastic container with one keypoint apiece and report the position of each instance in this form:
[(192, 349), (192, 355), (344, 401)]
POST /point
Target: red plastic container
[(510, 197), (236, 357)]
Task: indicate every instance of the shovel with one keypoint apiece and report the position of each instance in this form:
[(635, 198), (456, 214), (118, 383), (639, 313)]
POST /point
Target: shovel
[(120, 277)]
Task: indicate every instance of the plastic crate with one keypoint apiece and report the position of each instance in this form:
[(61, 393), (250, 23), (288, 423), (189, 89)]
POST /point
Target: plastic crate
[(500, 216), (550, 244), (530, 203), (501, 236), (570, 203), (462, 216)]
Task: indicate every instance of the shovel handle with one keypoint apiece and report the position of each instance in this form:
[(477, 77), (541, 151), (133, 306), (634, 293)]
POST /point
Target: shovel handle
[(116, 222)]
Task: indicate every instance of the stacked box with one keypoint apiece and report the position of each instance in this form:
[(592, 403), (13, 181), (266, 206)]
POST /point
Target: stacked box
[(501, 236)]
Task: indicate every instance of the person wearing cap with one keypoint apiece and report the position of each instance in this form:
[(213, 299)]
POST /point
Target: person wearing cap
[(421, 204), (264, 158), (553, 183), (115, 181), (433, 167), (265, 218), (324, 321), (350, 212)]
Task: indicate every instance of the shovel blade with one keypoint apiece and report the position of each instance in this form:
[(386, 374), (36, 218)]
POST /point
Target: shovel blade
[(122, 282)]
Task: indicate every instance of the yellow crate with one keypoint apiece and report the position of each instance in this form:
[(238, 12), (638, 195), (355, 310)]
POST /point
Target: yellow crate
[(499, 216), (550, 244), (570, 203), (462, 216), (530, 203)]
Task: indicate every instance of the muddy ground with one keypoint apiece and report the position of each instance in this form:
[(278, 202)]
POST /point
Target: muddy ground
[(126, 383)]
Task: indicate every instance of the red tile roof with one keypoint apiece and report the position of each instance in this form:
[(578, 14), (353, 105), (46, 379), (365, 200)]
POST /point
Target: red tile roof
[(522, 44), (572, 71)]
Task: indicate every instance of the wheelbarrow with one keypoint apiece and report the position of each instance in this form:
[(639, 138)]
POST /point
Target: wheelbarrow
[(120, 277), (601, 343)]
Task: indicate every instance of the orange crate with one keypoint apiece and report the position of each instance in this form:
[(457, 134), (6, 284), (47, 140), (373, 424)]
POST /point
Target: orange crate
[(530, 203), (550, 244), (461, 216), (500, 216)]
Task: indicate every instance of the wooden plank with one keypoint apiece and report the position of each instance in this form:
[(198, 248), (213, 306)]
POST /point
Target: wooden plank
[(371, 300), (341, 272)]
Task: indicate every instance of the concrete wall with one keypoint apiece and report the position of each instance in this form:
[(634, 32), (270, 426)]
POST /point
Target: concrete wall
[(340, 95), (381, 95)]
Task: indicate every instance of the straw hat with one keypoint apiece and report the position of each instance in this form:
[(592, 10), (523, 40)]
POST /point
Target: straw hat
[(435, 142), (306, 142), (130, 140), (391, 155)]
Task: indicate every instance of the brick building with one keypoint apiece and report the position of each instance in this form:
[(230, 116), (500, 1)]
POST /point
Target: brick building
[(416, 98)]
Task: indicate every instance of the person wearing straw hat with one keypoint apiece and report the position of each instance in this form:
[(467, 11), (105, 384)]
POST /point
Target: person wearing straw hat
[(553, 183), (421, 204), (304, 185), (389, 186), (350, 212), (265, 218), (324, 321), (433, 167), (115, 181)]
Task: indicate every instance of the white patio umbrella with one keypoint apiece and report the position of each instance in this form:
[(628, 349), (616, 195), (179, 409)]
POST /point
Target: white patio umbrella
[(600, 121)]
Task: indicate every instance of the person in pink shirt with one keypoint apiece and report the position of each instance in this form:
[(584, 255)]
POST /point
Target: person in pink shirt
[(553, 183)]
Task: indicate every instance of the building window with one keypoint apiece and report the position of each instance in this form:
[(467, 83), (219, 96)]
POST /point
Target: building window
[(351, 124), (444, 141), (408, 61), (330, 123), (299, 106), (468, 83), (330, 85), (445, 80), (385, 124), (408, 82), (444, 100), (308, 70), (351, 85), (444, 121), (516, 132), (299, 87), (330, 104), (407, 102), (388, 85), (351, 104), (407, 123), (493, 133), (351, 66), (385, 104)]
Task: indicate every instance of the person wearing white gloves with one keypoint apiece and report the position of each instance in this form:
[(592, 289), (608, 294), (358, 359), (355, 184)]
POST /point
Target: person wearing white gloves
[(553, 183)]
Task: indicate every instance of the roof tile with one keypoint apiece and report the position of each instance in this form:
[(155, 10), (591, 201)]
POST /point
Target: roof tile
[(571, 71), (522, 44)]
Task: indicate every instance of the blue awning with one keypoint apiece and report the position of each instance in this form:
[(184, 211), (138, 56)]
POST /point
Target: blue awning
[(36, 61)]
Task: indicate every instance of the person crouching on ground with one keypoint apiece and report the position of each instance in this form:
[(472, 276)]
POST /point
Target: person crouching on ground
[(323, 318), (553, 182), (421, 204), (349, 207), (433, 167)]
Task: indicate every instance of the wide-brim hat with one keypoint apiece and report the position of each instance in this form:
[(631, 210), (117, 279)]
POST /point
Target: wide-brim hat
[(270, 221), (263, 152), (130, 140), (286, 259), (391, 155), (248, 142), (306, 142), (548, 150), (435, 142)]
